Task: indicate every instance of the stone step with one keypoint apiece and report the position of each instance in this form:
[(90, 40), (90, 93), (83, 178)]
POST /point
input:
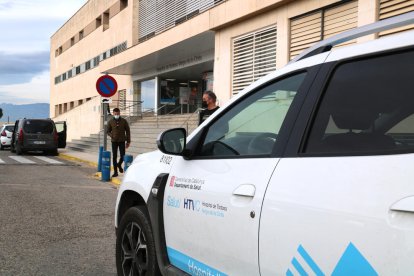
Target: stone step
[(144, 133)]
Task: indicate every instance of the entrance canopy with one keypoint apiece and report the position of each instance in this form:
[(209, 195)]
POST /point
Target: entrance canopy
[(196, 52)]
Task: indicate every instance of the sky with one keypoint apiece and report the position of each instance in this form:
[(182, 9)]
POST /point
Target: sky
[(26, 27)]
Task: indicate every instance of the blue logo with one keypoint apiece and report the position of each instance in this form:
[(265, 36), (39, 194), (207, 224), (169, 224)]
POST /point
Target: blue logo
[(191, 204), (352, 262), (190, 265), (173, 202)]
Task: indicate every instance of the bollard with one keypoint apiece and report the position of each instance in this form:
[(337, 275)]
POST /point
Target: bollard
[(100, 159), (128, 161), (106, 165)]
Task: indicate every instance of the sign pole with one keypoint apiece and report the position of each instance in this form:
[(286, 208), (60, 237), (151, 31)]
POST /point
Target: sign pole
[(105, 138)]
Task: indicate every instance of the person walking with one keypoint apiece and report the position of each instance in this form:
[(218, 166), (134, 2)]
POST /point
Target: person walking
[(209, 105), (118, 130)]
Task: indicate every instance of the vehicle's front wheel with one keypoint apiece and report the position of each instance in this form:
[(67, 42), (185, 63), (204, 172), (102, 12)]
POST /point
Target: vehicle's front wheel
[(135, 247)]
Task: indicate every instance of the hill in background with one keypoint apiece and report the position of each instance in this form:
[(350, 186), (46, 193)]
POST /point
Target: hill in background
[(13, 112)]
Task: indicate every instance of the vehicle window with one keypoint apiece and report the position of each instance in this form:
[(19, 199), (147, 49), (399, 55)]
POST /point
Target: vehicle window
[(367, 108), (9, 128), (403, 132), (38, 126), (60, 127), (251, 127)]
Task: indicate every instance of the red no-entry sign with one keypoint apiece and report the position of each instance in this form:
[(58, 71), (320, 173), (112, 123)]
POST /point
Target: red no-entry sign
[(106, 86)]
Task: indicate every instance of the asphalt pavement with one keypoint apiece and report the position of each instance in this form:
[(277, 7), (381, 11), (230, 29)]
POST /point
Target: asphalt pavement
[(56, 219)]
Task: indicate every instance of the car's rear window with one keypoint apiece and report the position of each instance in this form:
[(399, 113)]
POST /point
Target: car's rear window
[(9, 128), (38, 126)]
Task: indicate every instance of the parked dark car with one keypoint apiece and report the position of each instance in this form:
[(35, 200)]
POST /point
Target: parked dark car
[(38, 135)]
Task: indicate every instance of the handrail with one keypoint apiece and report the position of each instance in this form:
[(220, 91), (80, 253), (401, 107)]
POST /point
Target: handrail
[(189, 117)]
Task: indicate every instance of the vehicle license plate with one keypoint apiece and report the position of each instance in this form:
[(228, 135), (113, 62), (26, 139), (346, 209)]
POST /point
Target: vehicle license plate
[(39, 142)]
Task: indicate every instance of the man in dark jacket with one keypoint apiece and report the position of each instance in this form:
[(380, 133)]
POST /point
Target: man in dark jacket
[(118, 130), (209, 106)]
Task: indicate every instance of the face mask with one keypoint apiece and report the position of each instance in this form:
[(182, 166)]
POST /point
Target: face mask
[(204, 104), (116, 117)]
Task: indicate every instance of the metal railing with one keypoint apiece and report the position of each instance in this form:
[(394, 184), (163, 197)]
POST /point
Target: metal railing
[(197, 111), (133, 110)]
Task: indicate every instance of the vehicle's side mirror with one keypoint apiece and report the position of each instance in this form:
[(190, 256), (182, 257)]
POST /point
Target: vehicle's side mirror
[(172, 141)]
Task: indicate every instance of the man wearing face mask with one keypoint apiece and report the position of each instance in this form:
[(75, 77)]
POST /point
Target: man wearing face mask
[(118, 130), (209, 106)]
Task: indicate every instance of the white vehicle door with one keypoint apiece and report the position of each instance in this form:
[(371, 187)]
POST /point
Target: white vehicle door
[(212, 202), (343, 202)]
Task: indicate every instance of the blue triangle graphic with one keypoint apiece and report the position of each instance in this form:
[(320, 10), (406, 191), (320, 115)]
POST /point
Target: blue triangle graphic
[(353, 263)]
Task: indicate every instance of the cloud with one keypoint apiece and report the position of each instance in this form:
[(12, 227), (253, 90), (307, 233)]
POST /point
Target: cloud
[(26, 27), (6, 5), (39, 8), (35, 91), (22, 67)]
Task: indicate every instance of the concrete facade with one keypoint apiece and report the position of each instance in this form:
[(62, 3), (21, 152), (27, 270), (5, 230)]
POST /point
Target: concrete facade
[(202, 43)]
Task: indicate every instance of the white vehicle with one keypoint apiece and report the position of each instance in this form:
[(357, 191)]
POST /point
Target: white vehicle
[(308, 172), (5, 136)]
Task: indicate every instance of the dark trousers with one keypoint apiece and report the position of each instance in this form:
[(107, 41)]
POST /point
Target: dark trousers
[(115, 146)]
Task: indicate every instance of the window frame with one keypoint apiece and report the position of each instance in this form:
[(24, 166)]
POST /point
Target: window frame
[(197, 141), (312, 106)]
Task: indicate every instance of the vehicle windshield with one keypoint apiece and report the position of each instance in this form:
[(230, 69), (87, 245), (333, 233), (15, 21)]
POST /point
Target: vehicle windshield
[(38, 126)]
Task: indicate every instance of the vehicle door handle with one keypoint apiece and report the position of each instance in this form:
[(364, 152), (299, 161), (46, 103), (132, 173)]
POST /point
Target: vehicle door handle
[(404, 205), (247, 190)]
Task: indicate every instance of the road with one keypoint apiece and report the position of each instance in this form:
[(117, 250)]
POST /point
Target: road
[(55, 219)]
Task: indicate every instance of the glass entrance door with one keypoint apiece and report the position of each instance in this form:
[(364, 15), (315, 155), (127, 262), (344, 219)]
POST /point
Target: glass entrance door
[(179, 96)]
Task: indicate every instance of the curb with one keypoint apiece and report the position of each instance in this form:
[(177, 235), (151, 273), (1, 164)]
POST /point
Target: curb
[(77, 159), (115, 181), (98, 175)]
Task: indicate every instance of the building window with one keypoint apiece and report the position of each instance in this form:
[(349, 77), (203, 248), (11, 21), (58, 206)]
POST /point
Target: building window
[(254, 55), (81, 35), (63, 76), (78, 70), (123, 4), (88, 65), (105, 17), (72, 41), (57, 79), (96, 61), (98, 22), (308, 29), (60, 50), (69, 74), (112, 52), (391, 8)]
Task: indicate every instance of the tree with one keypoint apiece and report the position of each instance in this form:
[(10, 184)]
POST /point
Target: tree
[(1, 113)]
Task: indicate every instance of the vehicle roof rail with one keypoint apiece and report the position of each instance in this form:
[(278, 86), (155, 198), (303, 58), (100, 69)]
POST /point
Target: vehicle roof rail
[(379, 26)]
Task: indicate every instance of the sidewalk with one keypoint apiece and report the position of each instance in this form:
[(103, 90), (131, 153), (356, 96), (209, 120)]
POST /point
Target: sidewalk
[(90, 160)]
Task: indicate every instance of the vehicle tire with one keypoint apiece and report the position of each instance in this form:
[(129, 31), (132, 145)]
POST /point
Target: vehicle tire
[(52, 152), (135, 247), (19, 150)]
